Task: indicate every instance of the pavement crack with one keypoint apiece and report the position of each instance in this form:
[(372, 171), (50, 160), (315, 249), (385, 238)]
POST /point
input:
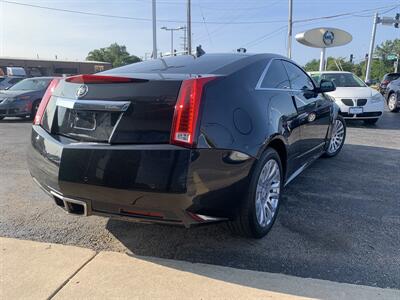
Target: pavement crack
[(70, 277)]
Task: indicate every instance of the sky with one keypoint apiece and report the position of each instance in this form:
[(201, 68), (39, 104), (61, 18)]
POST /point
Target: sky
[(218, 25)]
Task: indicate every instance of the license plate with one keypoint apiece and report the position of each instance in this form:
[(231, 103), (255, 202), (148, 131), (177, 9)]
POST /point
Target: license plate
[(356, 110), (84, 120)]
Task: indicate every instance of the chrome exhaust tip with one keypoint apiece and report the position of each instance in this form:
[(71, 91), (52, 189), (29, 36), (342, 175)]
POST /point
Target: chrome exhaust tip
[(71, 206)]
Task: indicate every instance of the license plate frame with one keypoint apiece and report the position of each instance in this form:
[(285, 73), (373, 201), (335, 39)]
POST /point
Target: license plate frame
[(356, 110)]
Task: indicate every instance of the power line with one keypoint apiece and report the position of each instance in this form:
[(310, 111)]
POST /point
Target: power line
[(205, 24), (280, 29), (345, 14), (197, 22), (264, 37), (133, 18), (217, 31)]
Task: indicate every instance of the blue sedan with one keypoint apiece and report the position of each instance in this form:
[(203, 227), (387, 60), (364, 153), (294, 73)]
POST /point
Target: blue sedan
[(23, 99)]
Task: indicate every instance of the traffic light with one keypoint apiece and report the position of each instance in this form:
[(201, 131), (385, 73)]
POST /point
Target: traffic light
[(397, 21), (351, 58)]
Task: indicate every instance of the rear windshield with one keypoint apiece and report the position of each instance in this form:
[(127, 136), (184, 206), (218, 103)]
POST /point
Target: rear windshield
[(183, 64), (391, 77)]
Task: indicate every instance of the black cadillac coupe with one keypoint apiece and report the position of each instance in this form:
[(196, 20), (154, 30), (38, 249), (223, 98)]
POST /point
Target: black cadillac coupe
[(183, 140)]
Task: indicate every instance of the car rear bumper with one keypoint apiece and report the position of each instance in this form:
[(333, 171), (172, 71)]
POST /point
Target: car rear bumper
[(148, 183)]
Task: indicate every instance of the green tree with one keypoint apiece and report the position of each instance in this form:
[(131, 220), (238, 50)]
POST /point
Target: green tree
[(380, 64), (339, 63), (115, 54), (388, 47), (332, 64), (312, 65)]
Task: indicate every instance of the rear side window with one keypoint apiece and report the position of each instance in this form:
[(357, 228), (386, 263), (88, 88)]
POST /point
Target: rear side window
[(276, 76), (298, 78), (392, 76)]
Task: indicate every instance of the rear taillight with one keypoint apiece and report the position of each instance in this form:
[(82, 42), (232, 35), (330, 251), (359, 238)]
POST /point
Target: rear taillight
[(385, 82), (45, 100), (101, 79), (186, 114)]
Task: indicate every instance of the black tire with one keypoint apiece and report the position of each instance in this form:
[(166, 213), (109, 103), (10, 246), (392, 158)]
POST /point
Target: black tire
[(392, 97), (329, 153), (371, 121), (1, 118), (35, 106), (245, 223)]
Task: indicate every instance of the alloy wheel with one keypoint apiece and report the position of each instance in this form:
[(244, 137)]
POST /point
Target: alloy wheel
[(267, 193), (337, 136), (392, 102)]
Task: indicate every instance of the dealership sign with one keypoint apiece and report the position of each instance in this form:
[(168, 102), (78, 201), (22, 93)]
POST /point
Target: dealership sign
[(324, 37)]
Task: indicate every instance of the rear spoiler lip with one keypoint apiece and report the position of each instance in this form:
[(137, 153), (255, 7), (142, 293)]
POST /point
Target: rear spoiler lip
[(102, 79)]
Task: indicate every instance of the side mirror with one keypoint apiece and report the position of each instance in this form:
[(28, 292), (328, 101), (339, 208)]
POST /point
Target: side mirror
[(368, 83), (326, 86)]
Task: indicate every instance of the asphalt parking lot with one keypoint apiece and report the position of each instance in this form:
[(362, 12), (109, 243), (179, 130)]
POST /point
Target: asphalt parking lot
[(340, 219)]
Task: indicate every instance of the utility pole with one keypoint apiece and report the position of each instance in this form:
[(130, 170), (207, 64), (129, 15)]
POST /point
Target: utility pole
[(290, 25), (371, 48), (189, 28), (154, 29), (172, 36)]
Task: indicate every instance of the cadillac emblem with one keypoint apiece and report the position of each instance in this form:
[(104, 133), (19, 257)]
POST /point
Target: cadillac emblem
[(82, 91)]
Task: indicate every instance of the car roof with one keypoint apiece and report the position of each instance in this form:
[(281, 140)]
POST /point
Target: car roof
[(215, 63)]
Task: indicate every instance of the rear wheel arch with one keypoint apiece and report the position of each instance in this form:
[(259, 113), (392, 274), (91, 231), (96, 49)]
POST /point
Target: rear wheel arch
[(278, 144), (36, 101), (388, 95)]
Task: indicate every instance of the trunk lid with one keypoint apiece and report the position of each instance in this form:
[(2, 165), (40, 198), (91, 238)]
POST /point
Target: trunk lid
[(137, 112)]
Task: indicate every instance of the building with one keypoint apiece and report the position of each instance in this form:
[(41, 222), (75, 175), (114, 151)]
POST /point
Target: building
[(44, 67)]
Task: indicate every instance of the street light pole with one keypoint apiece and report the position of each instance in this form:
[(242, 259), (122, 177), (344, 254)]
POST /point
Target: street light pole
[(290, 25), (172, 36), (154, 29), (172, 42), (371, 48)]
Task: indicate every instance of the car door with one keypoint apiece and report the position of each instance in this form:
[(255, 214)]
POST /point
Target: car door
[(314, 111), (283, 118)]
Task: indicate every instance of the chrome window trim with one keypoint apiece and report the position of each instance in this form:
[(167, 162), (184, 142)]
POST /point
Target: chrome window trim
[(95, 105), (260, 80)]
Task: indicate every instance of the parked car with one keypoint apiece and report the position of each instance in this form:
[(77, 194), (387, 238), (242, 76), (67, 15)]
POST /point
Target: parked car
[(8, 81), (16, 71), (393, 95), (23, 98), (183, 140), (387, 78), (356, 100)]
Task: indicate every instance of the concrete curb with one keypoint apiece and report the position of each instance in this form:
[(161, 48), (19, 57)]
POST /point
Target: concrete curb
[(32, 270)]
